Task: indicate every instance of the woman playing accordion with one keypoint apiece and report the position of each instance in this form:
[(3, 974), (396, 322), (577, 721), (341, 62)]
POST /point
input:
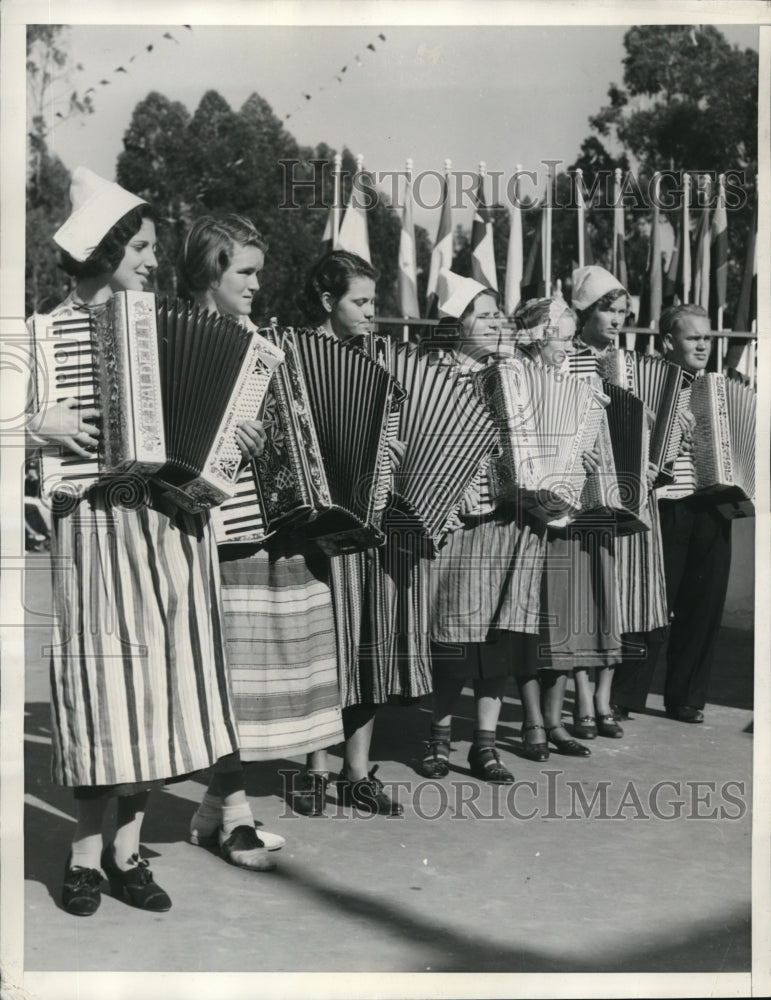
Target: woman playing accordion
[(139, 686), (485, 580)]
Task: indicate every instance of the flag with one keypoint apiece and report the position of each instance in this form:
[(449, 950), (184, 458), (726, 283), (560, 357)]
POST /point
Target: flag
[(441, 255), (700, 286), (619, 246), (328, 239), (407, 275), (673, 280), (533, 285), (514, 260), (650, 300), (585, 257), (747, 306), (718, 258), (482, 253), (353, 234)]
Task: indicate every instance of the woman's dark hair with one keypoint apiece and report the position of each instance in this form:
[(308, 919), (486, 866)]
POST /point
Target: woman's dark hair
[(604, 302), (111, 248), (332, 273), (209, 247)]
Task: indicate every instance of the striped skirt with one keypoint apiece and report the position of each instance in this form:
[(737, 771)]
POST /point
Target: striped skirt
[(640, 578), (139, 688), (381, 614), (487, 577), (580, 599), (281, 651)]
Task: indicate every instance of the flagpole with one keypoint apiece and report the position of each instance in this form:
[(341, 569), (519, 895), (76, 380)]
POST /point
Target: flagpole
[(616, 196), (721, 200), (337, 199), (654, 245), (547, 268), (579, 192), (685, 249), (407, 193)]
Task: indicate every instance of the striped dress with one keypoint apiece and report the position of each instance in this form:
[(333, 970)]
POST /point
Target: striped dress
[(139, 689), (381, 614), (580, 605), (640, 577), (281, 650), (486, 578)]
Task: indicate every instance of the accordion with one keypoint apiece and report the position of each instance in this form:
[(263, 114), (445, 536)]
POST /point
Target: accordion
[(172, 382), (630, 443), (722, 464), (546, 421), (659, 384), (449, 434), (620, 486), (324, 475)]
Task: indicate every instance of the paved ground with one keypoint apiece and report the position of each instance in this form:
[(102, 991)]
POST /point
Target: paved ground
[(471, 879)]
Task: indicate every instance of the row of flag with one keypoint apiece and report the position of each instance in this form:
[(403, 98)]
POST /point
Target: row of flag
[(674, 273)]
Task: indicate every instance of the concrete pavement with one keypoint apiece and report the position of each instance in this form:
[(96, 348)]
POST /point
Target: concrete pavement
[(650, 875)]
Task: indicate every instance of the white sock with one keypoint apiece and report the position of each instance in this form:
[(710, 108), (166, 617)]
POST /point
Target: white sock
[(233, 816), (86, 852), (208, 816)]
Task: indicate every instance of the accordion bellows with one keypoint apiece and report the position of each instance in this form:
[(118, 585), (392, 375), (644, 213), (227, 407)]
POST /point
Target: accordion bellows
[(724, 440), (325, 471), (449, 434), (547, 420), (172, 382), (659, 383)]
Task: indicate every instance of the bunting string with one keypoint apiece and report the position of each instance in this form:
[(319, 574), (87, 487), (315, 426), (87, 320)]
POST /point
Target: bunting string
[(79, 103), (338, 76)]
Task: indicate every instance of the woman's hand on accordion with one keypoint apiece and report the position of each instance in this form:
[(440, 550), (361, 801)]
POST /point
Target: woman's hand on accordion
[(651, 475), (591, 460), (68, 424), (396, 452), (251, 438)]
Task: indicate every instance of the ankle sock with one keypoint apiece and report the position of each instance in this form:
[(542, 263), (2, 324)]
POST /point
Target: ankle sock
[(208, 816), (233, 816), (86, 853), (484, 739), (441, 738)]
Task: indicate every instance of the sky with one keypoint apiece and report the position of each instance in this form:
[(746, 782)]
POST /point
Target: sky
[(502, 95)]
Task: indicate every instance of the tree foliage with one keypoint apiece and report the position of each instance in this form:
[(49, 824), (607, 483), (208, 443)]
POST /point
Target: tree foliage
[(219, 160), (48, 179), (689, 103)]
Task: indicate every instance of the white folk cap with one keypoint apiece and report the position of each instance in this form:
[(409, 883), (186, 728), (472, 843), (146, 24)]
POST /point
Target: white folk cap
[(590, 284), (454, 292), (97, 205)]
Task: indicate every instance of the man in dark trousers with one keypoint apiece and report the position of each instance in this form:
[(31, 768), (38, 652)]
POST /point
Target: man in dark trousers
[(696, 540)]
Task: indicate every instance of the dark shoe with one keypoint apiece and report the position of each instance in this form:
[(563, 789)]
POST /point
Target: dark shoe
[(685, 713), (136, 886), (244, 848), (486, 764), (436, 763), (607, 726), (368, 795), (620, 712), (570, 748), (538, 752), (585, 727), (81, 893), (310, 799)]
